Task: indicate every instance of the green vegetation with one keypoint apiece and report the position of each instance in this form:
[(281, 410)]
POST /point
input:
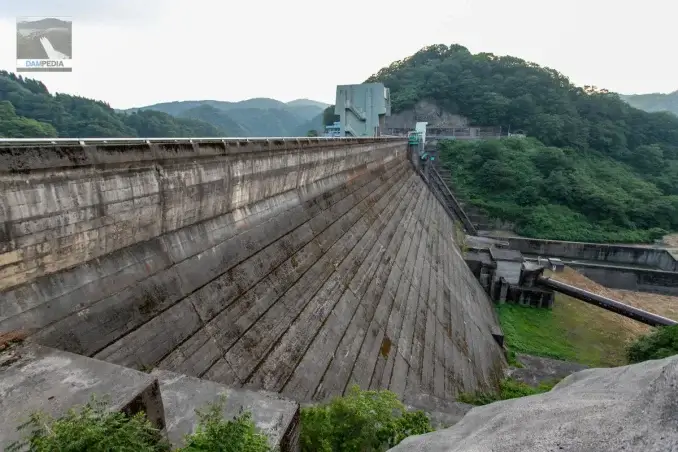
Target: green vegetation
[(329, 117), (571, 331), (654, 101), (561, 184), (91, 429), (508, 389), (96, 429), (362, 421), (258, 117), (28, 110), (562, 194), (215, 434), (661, 343)]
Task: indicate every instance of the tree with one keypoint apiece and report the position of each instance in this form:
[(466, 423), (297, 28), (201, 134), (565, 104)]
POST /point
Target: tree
[(329, 117), (28, 110)]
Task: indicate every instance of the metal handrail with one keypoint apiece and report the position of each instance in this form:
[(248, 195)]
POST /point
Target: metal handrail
[(178, 140)]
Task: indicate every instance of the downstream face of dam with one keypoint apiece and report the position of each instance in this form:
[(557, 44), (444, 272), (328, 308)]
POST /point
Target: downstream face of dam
[(300, 266)]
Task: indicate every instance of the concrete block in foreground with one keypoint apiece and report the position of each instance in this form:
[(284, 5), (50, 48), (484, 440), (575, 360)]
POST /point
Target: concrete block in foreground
[(36, 378), (274, 416)]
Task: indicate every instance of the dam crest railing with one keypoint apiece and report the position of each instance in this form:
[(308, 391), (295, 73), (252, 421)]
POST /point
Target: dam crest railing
[(198, 140)]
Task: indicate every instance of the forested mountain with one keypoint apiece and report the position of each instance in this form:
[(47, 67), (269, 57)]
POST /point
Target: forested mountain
[(261, 117), (595, 169), (654, 102), (216, 117), (28, 110)]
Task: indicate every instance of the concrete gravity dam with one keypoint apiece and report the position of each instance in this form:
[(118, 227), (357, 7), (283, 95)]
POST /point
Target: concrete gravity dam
[(296, 266)]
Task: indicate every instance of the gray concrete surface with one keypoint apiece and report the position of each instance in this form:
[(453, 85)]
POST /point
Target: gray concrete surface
[(631, 408), (537, 370), (273, 416), (289, 266), (443, 413), (630, 278), (35, 378), (648, 256)]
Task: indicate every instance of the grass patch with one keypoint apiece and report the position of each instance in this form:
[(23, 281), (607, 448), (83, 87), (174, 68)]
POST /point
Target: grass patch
[(572, 331), (508, 389), (361, 421)]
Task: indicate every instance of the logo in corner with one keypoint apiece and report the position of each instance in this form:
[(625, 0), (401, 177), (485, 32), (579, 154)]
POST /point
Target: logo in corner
[(44, 44)]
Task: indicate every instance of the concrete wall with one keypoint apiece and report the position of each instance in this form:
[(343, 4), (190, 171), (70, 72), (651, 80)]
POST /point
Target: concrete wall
[(627, 278), (296, 266), (613, 254)]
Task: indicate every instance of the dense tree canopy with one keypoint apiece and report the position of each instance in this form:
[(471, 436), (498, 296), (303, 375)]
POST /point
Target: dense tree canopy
[(608, 168), (562, 194), (503, 90), (28, 110)]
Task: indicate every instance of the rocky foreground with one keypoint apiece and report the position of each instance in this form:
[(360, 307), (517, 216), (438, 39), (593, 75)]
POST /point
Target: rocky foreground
[(630, 408)]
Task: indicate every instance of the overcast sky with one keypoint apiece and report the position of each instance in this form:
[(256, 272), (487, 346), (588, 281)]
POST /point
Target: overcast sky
[(138, 52)]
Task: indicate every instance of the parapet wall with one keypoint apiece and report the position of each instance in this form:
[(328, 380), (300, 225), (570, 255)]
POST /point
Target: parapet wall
[(295, 266)]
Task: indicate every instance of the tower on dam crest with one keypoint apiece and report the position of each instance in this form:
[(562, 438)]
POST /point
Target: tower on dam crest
[(362, 109)]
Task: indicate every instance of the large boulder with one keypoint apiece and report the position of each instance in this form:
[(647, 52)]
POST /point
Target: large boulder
[(630, 408)]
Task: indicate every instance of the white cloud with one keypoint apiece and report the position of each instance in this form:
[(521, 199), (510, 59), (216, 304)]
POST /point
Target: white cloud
[(136, 53)]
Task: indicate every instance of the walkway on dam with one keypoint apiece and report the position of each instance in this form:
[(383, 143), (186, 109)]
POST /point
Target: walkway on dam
[(284, 266)]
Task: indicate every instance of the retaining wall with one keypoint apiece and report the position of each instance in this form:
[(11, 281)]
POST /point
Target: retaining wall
[(628, 278), (609, 253), (295, 266)]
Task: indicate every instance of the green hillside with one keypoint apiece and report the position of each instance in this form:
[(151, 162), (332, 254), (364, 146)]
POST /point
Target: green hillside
[(218, 118), (307, 103), (595, 169), (28, 110), (654, 102), (257, 117)]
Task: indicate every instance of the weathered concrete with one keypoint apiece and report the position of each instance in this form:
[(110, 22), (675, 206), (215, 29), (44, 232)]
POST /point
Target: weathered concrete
[(630, 408), (630, 278), (537, 370), (35, 378), (647, 256), (294, 266), (442, 413), (275, 417)]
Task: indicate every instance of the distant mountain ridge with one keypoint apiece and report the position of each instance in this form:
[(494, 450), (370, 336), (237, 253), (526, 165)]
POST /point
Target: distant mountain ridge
[(256, 117), (653, 102)]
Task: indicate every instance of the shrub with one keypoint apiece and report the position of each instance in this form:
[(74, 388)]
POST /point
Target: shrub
[(215, 434), (362, 421), (96, 429), (92, 429), (661, 343)]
